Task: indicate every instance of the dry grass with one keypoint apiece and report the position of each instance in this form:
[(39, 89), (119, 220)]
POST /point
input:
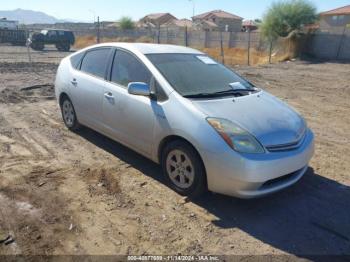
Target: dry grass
[(85, 41), (232, 56), (239, 56)]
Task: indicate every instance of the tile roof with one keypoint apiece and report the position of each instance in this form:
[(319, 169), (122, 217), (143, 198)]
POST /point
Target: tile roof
[(217, 13), (182, 23), (210, 23), (249, 23), (345, 10), (157, 15)]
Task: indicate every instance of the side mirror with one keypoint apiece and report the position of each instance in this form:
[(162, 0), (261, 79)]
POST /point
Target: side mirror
[(139, 89)]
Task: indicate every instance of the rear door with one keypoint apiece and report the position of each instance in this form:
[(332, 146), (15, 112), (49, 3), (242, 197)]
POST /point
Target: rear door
[(87, 85), (129, 118)]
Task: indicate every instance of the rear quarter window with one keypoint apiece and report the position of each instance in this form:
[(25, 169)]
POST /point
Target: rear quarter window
[(76, 59)]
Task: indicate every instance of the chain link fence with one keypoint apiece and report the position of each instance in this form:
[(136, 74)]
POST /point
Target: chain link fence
[(231, 48)]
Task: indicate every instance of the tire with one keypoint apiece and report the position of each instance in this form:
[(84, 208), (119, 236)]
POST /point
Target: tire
[(59, 47), (68, 114), (38, 46), (65, 47), (184, 169)]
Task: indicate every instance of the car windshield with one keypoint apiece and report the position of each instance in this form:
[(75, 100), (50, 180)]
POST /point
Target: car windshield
[(195, 75)]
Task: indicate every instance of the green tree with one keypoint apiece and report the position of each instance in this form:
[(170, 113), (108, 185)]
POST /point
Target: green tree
[(126, 23), (286, 17)]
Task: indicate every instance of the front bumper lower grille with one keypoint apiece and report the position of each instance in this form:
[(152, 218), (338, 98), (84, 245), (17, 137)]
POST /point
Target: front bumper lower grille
[(288, 146)]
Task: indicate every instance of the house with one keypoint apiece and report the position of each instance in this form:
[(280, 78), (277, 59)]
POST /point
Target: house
[(218, 20), (156, 20), (335, 19), (205, 25), (178, 24), (249, 25)]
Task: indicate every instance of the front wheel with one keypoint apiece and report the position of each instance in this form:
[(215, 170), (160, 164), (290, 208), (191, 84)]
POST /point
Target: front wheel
[(184, 169), (38, 46), (68, 114)]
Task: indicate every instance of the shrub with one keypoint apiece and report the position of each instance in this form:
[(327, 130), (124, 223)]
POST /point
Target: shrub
[(126, 23), (286, 17)]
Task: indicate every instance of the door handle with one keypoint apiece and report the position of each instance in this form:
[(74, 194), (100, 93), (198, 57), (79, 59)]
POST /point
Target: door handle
[(74, 82), (109, 95)]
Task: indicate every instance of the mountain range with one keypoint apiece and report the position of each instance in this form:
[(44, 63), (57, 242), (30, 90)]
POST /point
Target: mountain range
[(30, 17)]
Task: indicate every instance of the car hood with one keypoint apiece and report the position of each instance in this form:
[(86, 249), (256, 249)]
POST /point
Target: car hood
[(270, 120)]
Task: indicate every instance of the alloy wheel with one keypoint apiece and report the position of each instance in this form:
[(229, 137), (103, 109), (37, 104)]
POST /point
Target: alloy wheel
[(68, 113), (180, 169)]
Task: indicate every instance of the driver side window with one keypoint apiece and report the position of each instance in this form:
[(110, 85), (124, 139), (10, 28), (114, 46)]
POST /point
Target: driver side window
[(126, 68)]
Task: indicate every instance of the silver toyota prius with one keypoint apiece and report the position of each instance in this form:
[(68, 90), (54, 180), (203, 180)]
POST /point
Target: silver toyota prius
[(208, 127)]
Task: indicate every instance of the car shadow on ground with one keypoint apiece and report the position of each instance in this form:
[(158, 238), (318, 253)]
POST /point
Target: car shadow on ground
[(309, 218)]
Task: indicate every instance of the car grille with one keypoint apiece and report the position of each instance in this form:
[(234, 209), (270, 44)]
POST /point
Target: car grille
[(288, 146), (281, 180)]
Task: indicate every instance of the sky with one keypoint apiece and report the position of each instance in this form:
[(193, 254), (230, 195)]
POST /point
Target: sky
[(112, 10)]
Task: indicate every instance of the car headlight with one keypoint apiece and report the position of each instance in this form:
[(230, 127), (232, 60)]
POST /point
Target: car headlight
[(235, 136)]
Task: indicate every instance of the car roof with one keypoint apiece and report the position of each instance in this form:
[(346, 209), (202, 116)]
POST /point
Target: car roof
[(152, 48)]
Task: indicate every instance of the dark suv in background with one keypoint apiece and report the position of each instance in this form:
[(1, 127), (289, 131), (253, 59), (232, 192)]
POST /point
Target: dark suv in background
[(62, 39)]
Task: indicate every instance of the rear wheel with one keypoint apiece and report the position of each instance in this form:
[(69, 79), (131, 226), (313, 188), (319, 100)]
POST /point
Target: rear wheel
[(65, 47), (68, 114), (184, 169), (59, 47)]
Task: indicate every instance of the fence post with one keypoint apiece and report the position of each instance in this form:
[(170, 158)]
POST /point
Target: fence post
[(154, 35), (222, 48), (270, 51), (249, 47), (28, 50), (186, 39), (341, 43), (158, 36), (206, 39), (230, 40), (167, 35), (98, 30)]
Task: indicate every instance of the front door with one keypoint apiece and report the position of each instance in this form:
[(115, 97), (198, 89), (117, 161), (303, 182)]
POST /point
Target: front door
[(129, 118)]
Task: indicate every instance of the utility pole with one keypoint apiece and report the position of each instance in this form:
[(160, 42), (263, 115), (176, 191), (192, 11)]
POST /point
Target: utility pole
[(194, 7), (98, 30)]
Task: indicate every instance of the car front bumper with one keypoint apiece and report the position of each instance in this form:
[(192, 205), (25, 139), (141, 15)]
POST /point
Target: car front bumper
[(256, 175)]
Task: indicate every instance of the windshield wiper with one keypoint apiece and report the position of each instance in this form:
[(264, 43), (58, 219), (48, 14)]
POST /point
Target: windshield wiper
[(220, 93), (230, 91), (199, 95)]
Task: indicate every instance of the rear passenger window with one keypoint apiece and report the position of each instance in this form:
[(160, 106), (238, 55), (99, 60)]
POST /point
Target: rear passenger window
[(127, 68), (75, 60), (95, 62)]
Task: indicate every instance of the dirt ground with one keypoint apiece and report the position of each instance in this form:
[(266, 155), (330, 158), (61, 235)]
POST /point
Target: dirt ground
[(81, 193)]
